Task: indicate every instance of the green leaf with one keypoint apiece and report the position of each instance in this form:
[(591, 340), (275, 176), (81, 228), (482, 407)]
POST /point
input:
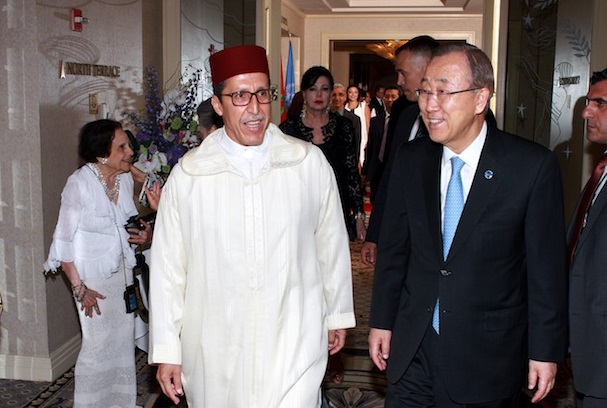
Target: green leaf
[(176, 123), (193, 126)]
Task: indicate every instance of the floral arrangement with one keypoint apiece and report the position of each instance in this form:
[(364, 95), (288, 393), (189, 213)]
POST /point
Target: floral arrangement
[(167, 128)]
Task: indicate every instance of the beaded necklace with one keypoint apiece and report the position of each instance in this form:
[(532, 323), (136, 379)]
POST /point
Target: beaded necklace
[(112, 193)]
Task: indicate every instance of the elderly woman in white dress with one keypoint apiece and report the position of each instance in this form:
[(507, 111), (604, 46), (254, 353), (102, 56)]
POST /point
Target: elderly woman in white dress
[(94, 250)]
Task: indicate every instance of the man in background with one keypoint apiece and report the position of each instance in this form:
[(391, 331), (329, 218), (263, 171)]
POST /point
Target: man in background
[(588, 256), (377, 101), (250, 272), (338, 103), (375, 157), (405, 124)]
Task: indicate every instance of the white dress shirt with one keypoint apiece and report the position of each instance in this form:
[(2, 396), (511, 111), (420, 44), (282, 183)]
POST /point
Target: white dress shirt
[(471, 156)]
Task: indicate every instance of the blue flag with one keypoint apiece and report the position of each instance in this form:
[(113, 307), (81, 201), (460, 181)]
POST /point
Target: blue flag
[(290, 78)]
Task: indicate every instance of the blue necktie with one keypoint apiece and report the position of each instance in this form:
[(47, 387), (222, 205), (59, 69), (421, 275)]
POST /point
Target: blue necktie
[(454, 205)]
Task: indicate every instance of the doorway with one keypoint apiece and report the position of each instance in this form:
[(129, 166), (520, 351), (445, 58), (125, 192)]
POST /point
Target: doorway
[(353, 63)]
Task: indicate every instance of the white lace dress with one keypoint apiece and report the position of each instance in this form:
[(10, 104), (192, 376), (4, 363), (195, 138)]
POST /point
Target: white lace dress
[(89, 233)]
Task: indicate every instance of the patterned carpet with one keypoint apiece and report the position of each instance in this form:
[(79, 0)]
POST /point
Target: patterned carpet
[(363, 386), (60, 393)]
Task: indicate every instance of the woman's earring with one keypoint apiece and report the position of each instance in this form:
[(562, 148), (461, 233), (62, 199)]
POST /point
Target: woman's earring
[(303, 109), (104, 160)]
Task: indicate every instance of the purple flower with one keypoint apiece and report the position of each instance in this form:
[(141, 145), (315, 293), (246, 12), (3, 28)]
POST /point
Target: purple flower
[(162, 126)]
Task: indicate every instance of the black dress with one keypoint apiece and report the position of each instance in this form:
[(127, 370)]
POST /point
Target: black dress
[(339, 149)]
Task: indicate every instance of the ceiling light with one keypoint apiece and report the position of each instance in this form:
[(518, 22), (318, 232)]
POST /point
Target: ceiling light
[(386, 49)]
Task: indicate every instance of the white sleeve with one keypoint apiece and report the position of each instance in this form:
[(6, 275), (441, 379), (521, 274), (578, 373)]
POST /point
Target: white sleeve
[(167, 279), (70, 213)]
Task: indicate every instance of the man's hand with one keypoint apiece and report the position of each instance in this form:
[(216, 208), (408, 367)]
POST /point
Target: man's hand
[(379, 347), (368, 253), (337, 340), (541, 376), (169, 377)]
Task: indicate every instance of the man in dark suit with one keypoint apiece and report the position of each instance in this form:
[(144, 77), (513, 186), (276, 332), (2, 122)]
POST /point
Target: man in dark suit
[(410, 63), (499, 289), (377, 102), (338, 103), (375, 157), (588, 277)]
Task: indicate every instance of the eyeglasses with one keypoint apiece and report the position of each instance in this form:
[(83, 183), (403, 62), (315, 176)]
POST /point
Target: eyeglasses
[(441, 96), (243, 98), (597, 102)]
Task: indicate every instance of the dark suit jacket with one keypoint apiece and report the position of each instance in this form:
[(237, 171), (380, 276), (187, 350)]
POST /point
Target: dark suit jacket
[(373, 167), (588, 303), (404, 124), (378, 106), (356, 123), (398, 107), (503, 286)]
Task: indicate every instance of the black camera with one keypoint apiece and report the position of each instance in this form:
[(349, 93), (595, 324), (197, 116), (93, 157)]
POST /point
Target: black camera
[(135, 221), (130, 298)]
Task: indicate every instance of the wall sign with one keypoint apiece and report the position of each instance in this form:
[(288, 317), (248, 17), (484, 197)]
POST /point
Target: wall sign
[(74, 68)]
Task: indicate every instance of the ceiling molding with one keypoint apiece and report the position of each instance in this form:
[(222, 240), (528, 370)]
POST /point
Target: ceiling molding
[(327, 37), (397, 10), (429, 16), (315, 7)]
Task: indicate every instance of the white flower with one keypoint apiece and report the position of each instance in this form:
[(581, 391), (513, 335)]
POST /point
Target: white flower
[(151, 164), (174, 99), (190, 138)]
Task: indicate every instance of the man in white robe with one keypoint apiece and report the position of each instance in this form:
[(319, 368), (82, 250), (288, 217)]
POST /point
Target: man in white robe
[(250, 273)]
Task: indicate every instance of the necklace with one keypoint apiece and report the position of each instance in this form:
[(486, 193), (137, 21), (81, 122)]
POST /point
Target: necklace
[(316, 122), (112, 193)]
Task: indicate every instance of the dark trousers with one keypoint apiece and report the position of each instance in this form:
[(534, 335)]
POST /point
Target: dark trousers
[(586, 401), (423, 386)]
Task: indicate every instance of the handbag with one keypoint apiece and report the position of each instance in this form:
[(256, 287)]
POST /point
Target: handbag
[(142, 269)]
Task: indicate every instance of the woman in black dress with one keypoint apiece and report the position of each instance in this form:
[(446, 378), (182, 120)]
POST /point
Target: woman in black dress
[(334, 135)]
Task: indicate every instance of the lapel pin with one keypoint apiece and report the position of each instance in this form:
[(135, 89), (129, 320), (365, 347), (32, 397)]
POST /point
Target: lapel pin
[(489, 174)]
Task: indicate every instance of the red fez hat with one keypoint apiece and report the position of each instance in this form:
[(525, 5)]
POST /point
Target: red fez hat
[(242, 59)]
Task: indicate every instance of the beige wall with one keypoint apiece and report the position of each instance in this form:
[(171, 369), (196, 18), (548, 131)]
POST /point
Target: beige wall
[(23, 322), (295, 28), (567, 136), (41, 113)]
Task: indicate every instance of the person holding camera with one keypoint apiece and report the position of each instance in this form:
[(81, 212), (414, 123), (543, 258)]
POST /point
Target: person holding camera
[(94, 249)]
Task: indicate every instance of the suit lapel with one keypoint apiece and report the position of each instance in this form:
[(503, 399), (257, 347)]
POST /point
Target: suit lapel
[(430, 172), (484, 185), (595, 210), (412, 114)]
